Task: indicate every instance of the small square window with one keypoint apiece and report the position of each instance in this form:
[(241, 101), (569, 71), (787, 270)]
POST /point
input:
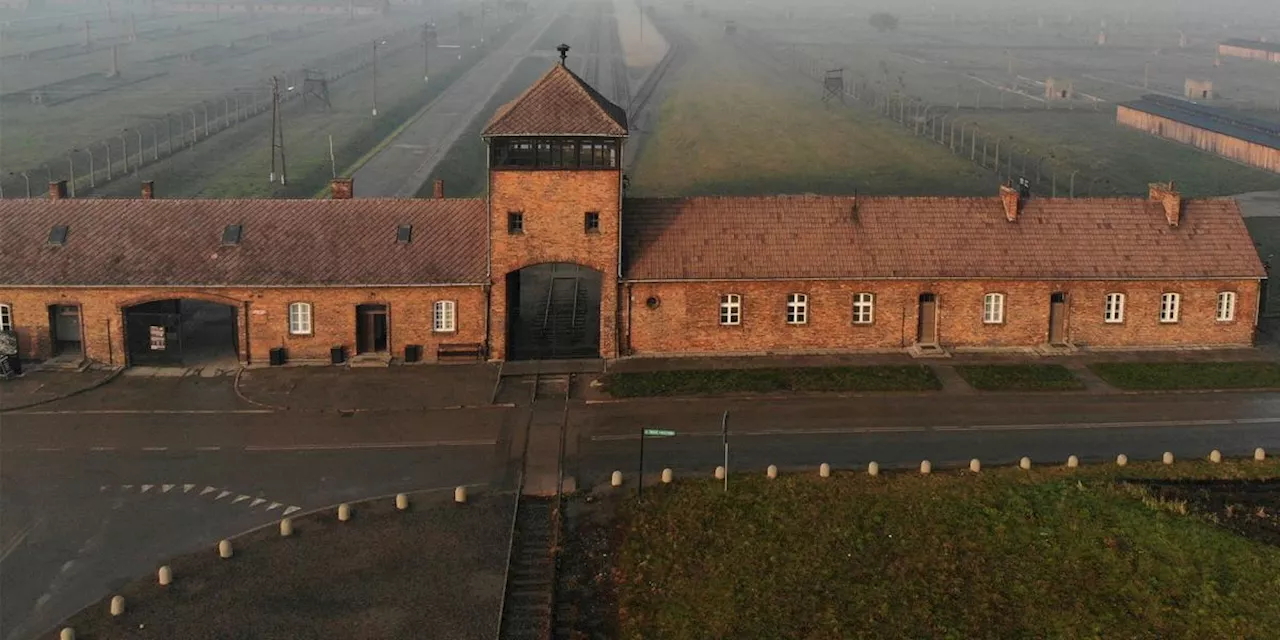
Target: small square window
[(515, 222), (231, 234), (58, 235), (863, 308), (404, 234), (592, 222), (797, 308), (730, 309)]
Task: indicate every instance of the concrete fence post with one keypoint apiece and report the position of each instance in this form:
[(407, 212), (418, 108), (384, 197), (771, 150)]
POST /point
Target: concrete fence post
[(117, 605), (926, 467), (667, 476), (1259, 454), (224, 549), (616, 479), (1024, 463), (772, 471), (824, 470), (1072, 462), (67, 634), (164, 576), (460, 493), (719, 473), (1167, 458), (873, 469), (286, 527), (402, 501), (1215, 456), (975, 465), (1122, 460), (344, 512)]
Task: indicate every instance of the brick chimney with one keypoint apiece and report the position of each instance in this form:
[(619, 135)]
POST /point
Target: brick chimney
[(341, 188), (437, 190), (1012, 202), (148, 189), (1169, 198), (58, 190)]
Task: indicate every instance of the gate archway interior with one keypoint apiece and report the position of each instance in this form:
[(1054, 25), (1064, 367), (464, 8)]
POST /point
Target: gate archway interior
[(181, 332), (553, 312)]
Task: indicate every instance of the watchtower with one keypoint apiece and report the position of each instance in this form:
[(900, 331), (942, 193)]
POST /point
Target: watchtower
[(555, 218), (833, 85), (315, 86)]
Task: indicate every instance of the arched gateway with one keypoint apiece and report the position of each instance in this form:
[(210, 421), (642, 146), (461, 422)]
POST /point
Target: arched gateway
[(553, 312)]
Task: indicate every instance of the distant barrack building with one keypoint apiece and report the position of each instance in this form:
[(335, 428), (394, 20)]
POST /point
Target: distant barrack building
[(1246, 140), (1251, 49), (555, 261)]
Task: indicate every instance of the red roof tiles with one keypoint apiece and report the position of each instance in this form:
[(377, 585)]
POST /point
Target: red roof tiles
[(285, 242), (883, 237), (559, 104)]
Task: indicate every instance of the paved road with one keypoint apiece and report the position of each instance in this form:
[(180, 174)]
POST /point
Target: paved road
[(1259, 204)]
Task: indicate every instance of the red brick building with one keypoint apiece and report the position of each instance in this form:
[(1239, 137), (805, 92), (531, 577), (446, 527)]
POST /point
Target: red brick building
[(555, 262), (1251, 49)]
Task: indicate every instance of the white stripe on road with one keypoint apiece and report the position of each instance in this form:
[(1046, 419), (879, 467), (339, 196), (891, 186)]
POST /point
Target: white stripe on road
[(1048, 426), (372, 445), (113, 412)]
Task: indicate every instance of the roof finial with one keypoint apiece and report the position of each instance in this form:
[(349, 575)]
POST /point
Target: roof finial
[(564, 52)]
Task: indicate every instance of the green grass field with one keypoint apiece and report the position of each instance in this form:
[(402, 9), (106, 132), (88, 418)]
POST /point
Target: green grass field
[(1189, 375), (720, 381), (730, 125), (1019, 377), (1046, 553)]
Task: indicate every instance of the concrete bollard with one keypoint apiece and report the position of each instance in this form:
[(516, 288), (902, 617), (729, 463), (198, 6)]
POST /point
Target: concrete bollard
[(1072, 462), (1122, 460), (164, 576), (719, 473), (286, 527), (117, 605), (402, 502), (926, 467), (344, 512), (772, 471), (1215, 456), (824, 470), (1167, 458), (460, 494), (873, 469), (975, 466), (1259, 454), (1024, 463), (616, 479), (67, 634), (224, 549), (667, 476)]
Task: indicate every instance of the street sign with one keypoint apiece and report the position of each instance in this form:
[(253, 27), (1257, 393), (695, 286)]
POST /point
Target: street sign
[(658, 433)]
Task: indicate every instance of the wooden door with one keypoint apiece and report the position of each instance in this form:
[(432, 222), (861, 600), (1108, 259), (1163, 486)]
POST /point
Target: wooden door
[(1057, 318), (371, 328), (64, 323), (927, 329)]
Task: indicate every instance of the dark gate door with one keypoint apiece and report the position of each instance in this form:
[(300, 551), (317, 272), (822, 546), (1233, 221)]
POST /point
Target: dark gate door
[(927, 331), (153, 338), (371, 328), (556, 312), (1057, 318)]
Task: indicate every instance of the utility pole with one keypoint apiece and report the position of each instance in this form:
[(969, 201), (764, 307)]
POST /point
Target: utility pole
[(375, 78), (277, 134)]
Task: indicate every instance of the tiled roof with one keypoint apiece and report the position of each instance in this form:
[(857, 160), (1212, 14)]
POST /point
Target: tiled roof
[(169, 242), (559, 104), (1226, 123), (826, 237), (1256, 45)]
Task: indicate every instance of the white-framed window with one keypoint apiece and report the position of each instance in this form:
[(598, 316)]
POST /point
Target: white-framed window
[(864, 307), (6, 318), (445, 316), (993, 308), (1169, 303), (1113, 310), (797, 308), (1226, 306), (730, 309), (300, 318)]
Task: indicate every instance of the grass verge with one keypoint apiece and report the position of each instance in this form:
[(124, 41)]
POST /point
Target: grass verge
[(718, 381), (1050, 553), (1019, 377), (1189, 375)]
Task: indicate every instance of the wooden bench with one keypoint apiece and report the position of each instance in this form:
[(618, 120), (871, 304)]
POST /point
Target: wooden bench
[(474, 350)]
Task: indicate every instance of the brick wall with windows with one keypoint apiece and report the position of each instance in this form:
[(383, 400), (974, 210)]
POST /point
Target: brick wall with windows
[(685, 317), (332, 318)]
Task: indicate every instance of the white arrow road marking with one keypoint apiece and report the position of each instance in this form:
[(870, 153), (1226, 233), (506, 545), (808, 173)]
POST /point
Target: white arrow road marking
[(222, 495), (240, 498), (187, 487), (127, 487), (291, 510), (273, 505), (147, 487), (208, 490), (166, 488), (256, 502)]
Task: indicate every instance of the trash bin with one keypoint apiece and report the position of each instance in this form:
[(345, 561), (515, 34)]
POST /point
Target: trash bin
[(412, 353), (337, 354), (277, 356)]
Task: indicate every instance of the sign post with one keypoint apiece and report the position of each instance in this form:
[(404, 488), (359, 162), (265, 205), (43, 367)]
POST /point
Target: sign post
[(724, 438), (648, 433)]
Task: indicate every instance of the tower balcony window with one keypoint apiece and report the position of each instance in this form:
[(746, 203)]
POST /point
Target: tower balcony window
[(553, 153)]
